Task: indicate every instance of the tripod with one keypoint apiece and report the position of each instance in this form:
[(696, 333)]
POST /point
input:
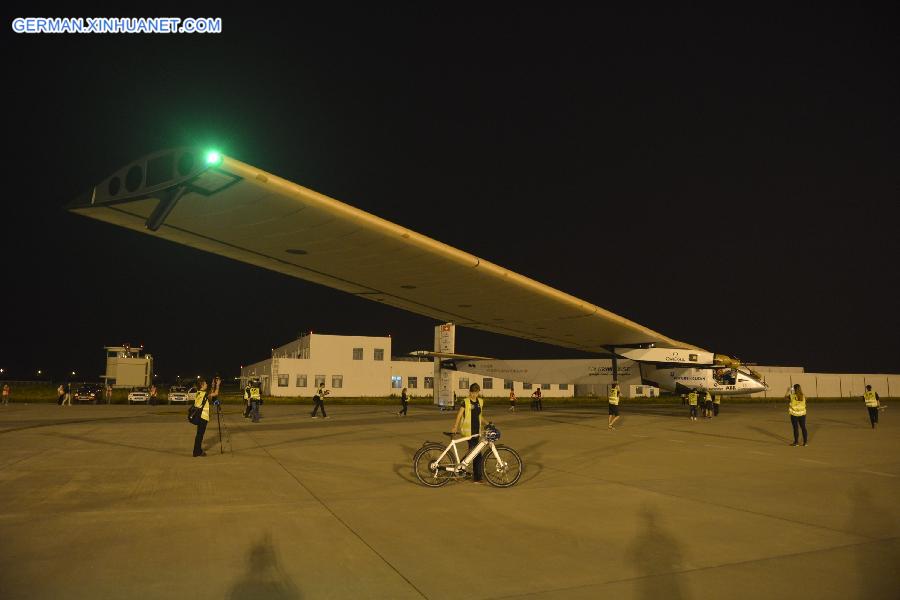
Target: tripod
[(219, 421)]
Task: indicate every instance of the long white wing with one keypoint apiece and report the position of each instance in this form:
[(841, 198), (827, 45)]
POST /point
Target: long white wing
[(242, 212)]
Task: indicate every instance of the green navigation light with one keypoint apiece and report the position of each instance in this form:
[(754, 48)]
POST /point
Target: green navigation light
[(213, 157)]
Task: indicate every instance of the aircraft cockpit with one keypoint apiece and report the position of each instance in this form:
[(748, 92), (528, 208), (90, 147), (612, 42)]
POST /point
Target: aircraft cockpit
[(725, 376)]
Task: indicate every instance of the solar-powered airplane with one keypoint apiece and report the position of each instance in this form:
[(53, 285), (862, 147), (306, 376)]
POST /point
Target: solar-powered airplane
[(215, 203)]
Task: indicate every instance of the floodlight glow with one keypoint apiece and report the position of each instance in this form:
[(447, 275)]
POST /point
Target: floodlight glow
[(213, 157)]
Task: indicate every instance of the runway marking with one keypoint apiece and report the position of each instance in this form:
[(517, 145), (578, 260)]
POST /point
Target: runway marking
[(679, 441), (809, 460), (878, 473), (714, 446), (641, 436), (760, 453)]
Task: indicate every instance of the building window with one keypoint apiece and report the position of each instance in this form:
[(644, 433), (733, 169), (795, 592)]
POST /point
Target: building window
[(563, 386), (357, 354), (507, 384), (545, 386), (337, 381), (301, 380), (429, 383), (412, 382), (396, 382), (526, 386), (320, 380), (282, 380), (463, 383), (379, 353), (487, 384)]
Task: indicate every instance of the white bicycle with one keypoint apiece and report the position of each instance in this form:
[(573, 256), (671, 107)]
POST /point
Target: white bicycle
[(434, 465)]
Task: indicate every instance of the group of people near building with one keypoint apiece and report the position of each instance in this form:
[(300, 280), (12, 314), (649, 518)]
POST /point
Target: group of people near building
[(64, 394), (207, 395), (469, 415), (707, 406)]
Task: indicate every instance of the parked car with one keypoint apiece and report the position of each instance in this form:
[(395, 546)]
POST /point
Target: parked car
[(179, 393), (138, 394), (88, 392)]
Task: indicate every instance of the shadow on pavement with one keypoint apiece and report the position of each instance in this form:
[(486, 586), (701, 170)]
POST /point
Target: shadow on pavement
[(658, 558), (766, 432), (84, 438), (405, 472), (530, 470), (264, 577)]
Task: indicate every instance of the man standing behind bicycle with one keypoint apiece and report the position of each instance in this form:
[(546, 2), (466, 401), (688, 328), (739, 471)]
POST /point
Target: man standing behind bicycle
[(469, 421)]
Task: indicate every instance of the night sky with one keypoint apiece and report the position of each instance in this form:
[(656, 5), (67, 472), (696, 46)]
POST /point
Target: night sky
[(727, 179)]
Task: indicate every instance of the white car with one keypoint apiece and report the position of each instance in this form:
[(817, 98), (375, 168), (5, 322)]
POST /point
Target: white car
[(179, 394), (139, 394)]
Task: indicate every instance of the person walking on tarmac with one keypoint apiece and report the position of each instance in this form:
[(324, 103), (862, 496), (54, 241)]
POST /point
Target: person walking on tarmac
[(613, 405), (201, 402), (537, 401), (707, 405), (404, 403), (512, 399), (60, 394), (797, 410), (470, 421), (873, 402), (253, 398), (692, 402), (320, 401), (717, 400)]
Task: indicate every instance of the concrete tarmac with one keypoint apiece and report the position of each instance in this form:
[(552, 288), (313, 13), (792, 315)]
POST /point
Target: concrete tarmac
[(107, 502)]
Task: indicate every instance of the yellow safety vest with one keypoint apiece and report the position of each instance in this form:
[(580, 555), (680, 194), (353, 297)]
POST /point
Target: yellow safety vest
[(798, 405), (707, 397), (254, 393), (871, 399), (717, 399), (465, 428), (198, 401), (692, 398), (614, 396)]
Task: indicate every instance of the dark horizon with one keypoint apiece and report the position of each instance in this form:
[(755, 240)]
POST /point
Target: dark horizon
[(726, 179)]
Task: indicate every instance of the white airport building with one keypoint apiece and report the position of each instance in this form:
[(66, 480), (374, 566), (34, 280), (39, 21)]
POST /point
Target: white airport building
[(359, 366), (128, 367)]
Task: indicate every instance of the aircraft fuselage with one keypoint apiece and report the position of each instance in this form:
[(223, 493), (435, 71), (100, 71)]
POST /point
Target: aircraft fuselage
[(723, 382)]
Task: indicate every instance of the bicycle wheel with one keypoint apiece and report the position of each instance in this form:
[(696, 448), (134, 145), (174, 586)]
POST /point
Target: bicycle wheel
[(430, 474), (506, 471)]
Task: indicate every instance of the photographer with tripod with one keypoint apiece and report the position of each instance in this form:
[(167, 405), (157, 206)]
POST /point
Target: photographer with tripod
[(201, 403)]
